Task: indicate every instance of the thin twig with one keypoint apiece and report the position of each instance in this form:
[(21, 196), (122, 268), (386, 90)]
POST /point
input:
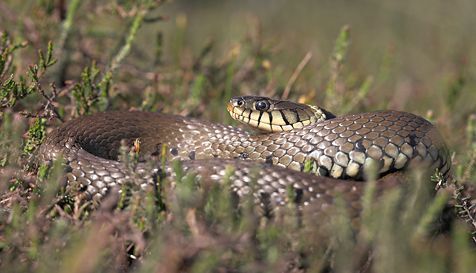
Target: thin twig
[(295, 75), (467, 172), (61, 52), (125, 48)]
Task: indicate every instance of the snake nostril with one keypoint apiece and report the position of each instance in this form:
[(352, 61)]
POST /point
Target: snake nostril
[(236, 102), (239, 102)]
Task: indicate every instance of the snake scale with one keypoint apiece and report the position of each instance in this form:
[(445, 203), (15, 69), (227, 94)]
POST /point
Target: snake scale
[(338, 150)]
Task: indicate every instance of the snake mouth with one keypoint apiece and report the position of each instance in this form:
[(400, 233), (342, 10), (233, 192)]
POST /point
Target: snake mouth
[(237, 113), (229, 107), (245, 119), (258, 124)]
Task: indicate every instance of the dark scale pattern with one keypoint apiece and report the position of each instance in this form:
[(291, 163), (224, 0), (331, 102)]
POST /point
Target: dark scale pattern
[(342, 147), (282, 184), (346, 147)]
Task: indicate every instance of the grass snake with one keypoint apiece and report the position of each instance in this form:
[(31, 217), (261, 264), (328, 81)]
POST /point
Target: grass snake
[(338, 151)]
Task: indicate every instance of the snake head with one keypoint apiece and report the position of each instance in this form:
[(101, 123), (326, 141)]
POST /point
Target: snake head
[(271, 115)]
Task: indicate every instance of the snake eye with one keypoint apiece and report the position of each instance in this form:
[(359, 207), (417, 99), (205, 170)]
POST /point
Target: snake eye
[(240, 102), (262, 105)]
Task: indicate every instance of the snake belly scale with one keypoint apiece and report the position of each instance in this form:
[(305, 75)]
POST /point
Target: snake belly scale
[(341, 148)]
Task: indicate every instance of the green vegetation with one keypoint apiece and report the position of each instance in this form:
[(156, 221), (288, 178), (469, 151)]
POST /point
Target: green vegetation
[(61, 59)]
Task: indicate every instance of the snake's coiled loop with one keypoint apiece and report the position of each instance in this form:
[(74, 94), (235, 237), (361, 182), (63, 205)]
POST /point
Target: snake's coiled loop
[(344, 147)]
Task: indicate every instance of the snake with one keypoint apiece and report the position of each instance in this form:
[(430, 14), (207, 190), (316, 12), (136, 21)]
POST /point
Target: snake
[(301, 147)]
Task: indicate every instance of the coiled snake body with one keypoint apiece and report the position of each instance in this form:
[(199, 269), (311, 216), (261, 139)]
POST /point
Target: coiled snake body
[(335, 148)]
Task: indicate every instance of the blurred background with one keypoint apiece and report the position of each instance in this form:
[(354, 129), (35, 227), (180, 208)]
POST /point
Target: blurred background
[(424, 38), (422, 47)]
